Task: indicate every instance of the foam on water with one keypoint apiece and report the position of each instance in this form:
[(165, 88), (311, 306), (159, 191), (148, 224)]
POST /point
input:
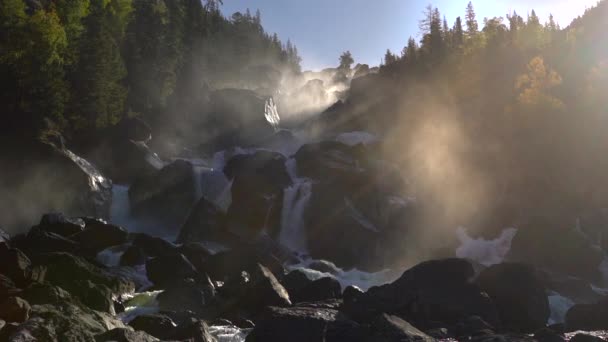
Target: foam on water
[(559, 306), (110, 257), (485, 252), (354, 277), (356, 138), (229, 333), (144, 303)]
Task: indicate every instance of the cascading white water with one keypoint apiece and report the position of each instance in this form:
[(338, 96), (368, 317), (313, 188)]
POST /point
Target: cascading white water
[(271, 113), (295, 200), (228, 333), (485, 252), (120, 210)]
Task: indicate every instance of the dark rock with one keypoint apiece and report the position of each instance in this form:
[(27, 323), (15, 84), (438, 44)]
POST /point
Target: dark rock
[(58, 224), (73, 274), (264, 290), (95, 296), (8, 330), (5, 238), (588, 317), (98, 236), (439, 333), (387, 328), (124, 335), (206, 222), (537, 241), (166, 195), (257, 192), (15, 265), (45, 293), (235, 286), (133, 256), (14, 309), (195, 331), (39, 242), (159, 326), (7, 287), (305, 324), (351, 294), (48, 177), (197, 253), (519, 295), (432, 292), (134, 129), (65, 322), (153, 246), (319, 290), (169, 269), (585, 338), (471, 326), (323, 266), (548, 335), (188, 295), (294, 282)]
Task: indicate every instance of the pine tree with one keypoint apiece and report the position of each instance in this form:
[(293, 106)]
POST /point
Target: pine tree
[(458, 33), (471, 21)]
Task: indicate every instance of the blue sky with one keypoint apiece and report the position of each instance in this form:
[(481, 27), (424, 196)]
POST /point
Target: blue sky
[(323, 29)]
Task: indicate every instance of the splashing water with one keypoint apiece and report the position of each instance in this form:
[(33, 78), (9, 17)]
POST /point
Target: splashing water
[(110, 257), (144, 303), (485, 252), (271, 113), (229, 333), (559, 307)]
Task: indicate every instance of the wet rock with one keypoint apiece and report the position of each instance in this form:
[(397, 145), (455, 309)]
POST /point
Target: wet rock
[(134, 129), (49, 177), (472, 326), (133, 256), (58, 224), (223, 265), (98, 236), (387, 328), (188, 295), (45, 293), (294, 282), (319, 290), (305, 324), (153, 246), (206, 222), (166, 195), (15, 265), (159, 326), (257, 192), (194, 330), (5, 238), (351, 294), (125, 335), (14, 309), (165, 270), (548, 335), (197, 253), (537, 241), (39, 242), (8, 330), (264, 290), (7, 287), (588, 317), (581, 337), (519, 295), (431, 293)]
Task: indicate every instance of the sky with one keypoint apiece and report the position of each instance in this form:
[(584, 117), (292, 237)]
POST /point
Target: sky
[(323, 29)]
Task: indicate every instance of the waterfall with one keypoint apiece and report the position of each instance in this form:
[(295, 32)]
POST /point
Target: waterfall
[(271, 113), (485, 252), (295, 200), (120, 210)]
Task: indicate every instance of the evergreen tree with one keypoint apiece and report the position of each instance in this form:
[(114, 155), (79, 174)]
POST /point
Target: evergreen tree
[(458, 33), (471, 21)]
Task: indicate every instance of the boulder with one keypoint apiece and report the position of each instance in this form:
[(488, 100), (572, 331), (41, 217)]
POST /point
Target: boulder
[(44, 176), (294, 282), (135, 129), (438, 291), (64, 322), (538, 239), (548, 335), (39, 242), (153, 246), (188, 295), (98, 236), (194, 330), (237, 120), (14, 309), (15, 265), (264, 290), (588, 317), (133, 256), (206, 222), (257, 192), (518, 294), (165, 270), (387, 328), (159, 326), (305, 324), (45, 293), (125, 335), (74, 274), (7, 287), (166, 195), (351, 294), (197, 253), (319, 290), (58, 224)]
